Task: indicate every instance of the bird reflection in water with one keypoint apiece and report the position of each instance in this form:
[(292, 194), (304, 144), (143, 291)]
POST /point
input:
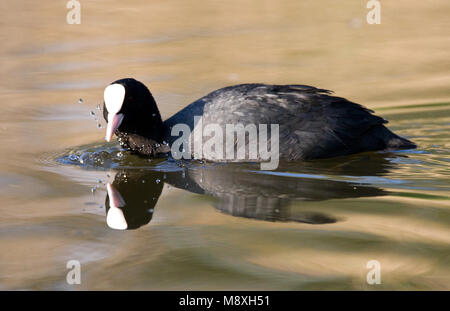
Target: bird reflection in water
[(244, 191)]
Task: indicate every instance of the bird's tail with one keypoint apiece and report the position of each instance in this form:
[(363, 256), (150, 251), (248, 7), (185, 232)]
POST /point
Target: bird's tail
[(386, 139), (398, 142)]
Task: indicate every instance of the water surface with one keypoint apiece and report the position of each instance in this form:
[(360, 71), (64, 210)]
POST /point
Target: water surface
[(311, 225)]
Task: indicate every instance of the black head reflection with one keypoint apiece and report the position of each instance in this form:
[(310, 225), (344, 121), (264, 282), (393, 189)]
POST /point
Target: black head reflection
[(244, 191), (130, 202)]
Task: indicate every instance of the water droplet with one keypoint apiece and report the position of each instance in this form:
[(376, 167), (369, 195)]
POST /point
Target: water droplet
[(73, 157), (98, 107), (143, 181), (157, 180), (92, 113), (93, 189), (99, 126), (80, 101), (100, 181)]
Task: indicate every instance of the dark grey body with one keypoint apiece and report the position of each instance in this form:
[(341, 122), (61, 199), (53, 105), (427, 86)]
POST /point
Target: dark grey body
[(312, 123)]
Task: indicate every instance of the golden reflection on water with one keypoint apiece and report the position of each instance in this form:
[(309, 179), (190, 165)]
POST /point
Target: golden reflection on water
[(182, 50)]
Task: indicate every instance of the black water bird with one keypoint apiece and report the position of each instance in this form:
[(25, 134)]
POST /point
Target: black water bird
[(312, 123)]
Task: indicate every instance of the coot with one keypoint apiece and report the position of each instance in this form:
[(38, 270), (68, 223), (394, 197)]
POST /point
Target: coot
[(311, 122)]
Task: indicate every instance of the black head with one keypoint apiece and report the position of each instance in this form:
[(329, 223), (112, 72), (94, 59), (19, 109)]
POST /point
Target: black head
[(129, 108)]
